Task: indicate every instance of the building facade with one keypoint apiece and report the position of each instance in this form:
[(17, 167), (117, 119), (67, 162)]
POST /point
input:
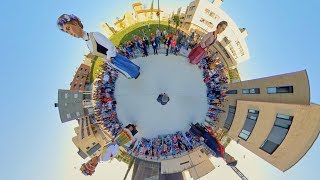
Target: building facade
[(143, 14), (89, 138), (81, 78), (146, 170), (109, 31), (273, 117), (152, 171), (139, 14), (202, 16), (128, 20), (73, 104), (196, 162)]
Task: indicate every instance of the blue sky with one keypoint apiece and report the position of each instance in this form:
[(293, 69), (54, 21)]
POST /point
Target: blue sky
[(37, 60)]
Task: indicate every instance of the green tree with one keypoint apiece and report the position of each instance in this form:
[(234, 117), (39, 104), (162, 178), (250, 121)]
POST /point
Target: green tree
[(234, 74), (176, 20)]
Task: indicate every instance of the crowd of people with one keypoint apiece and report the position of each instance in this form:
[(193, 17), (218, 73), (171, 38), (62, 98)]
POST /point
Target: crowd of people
[(170, 145), (117, 61), (164, 146), (173, 145), (141, 43), (215, 78), (105, 103)]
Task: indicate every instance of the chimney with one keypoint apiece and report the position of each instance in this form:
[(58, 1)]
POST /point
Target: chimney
[(217, 3), (244, 32)]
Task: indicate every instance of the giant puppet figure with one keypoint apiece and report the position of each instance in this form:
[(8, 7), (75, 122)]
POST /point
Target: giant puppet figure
[(199, 52), (110, 150), (99, 45), (212, 144)]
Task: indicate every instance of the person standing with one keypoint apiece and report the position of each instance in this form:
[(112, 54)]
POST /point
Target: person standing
[(173, 46), (154, 44), (99, 45), (164, 32), (199, 52), (143, 46), (167, 44), (163, 98)]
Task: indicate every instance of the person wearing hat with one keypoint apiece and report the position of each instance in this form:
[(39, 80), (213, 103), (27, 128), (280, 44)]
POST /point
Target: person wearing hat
[(108, 152), (99, 45), (111, 150)]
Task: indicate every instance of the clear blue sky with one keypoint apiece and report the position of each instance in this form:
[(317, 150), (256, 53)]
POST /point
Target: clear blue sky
[(37, 60)]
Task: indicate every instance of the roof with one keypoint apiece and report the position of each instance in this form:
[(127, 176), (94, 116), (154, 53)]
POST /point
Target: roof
[(148, 10), (136, 4), (119, 21)]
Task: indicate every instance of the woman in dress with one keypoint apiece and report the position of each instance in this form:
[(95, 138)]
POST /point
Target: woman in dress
[(199, 52), (99, 46)]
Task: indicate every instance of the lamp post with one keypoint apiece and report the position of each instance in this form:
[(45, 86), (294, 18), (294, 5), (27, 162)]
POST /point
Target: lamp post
[(158, 15)]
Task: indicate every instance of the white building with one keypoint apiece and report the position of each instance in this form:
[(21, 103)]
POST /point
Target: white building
[(203, 16), (109, 31)]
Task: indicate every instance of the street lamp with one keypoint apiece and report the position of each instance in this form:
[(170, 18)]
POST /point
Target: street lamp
[(158, 15)]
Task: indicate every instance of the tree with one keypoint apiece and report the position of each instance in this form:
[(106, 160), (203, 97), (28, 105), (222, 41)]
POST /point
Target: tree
[(176, 20), (234, 74)]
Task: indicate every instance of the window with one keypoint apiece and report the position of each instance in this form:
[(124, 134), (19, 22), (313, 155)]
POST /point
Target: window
[(68, 116), (244, 134), (249, 124), (207, 23), (93, 143), (232, 92), (75, 95), (283, 121), (251, 91), (192, 8), (66, 95), (81, 69), (74, 85), (94, 149), (87, 97), (80, 85), (278, 133), (189, 16), (282, 89), (77, 113), (88, 131), (88, 148), (229, 120)]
